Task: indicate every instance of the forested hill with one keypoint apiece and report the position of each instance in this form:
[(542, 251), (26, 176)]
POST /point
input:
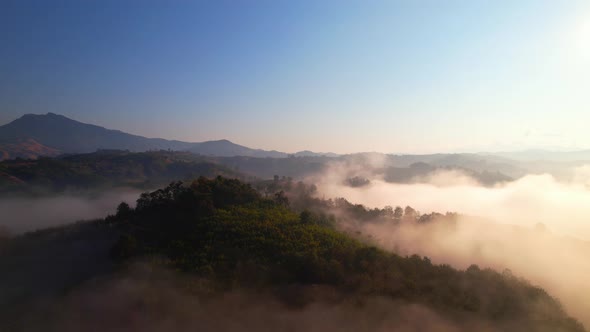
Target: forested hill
[(35, 135), (110, 168), (226, 231), (104, 170), (223, 236)]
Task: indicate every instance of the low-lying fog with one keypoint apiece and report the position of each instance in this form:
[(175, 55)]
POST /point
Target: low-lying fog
[(27, 214), (563, 207), (500, 228), (149, 300)]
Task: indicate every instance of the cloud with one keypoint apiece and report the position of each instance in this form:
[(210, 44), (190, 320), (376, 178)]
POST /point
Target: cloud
[(536, 226), (26, 214), (144, 299), (562, 207)]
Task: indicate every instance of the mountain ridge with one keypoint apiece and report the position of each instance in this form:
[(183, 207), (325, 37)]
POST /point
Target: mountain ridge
[(57, 134)]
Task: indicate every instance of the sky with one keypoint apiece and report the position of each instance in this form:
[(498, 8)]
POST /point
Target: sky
[(341, 76)]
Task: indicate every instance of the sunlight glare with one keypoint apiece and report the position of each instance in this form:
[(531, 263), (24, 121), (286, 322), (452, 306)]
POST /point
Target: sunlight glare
[(583, 38)]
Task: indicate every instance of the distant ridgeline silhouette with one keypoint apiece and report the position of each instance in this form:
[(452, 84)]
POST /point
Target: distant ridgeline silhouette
[(50, 134)]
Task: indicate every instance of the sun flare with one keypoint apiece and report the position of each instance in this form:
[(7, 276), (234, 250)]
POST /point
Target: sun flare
[(582, 38)]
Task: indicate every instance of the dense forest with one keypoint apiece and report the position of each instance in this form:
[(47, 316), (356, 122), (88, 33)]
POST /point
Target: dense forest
[(272, 237), (103, 170), (230, 236), (106, 169)]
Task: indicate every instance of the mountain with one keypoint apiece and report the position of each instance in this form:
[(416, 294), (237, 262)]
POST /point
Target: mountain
[(225, 148), (70, 136), (34, 135), (189, 255), (26, 148), (546, 155), (307, 153), (104, 170)]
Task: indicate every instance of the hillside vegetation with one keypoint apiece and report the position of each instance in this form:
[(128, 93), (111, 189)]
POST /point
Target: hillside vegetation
[(223, 238), (103, 170), (106, 169), (225, 231)]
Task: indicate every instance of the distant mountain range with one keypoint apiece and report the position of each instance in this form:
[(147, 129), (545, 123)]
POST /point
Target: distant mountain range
[(546, 155), (34, 135)]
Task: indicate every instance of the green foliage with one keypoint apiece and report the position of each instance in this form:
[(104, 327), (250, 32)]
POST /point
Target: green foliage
[(357, 181), (125, 247), (103, 170), (224, 230)]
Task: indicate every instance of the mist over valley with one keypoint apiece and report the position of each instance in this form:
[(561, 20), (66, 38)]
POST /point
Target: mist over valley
[(297, 166)]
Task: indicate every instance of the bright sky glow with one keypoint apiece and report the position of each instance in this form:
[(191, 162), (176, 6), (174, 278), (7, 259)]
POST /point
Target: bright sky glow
[(388, 76)]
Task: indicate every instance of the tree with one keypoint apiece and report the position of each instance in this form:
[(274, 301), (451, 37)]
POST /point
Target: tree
[(123, 210), (306, 217), (125, 247), (388, 211), (410, 214), (398, 213), (281, 198)]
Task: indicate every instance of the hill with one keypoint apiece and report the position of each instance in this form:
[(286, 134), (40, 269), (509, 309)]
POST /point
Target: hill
[(103, 170), (26, 148), (53, 134), (70, 136), (223, 237), (547, 155), (225, 148), (145, 170)]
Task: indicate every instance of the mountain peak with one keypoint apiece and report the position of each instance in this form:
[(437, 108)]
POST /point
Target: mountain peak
[(49, 115), (223, 141), (65, 135)]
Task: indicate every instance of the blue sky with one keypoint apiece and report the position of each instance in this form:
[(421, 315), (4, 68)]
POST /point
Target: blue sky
[(342, 76)]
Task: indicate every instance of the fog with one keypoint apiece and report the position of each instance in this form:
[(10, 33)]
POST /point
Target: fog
[(563, 207), (151, 300), (27, 214), (536, 226)]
